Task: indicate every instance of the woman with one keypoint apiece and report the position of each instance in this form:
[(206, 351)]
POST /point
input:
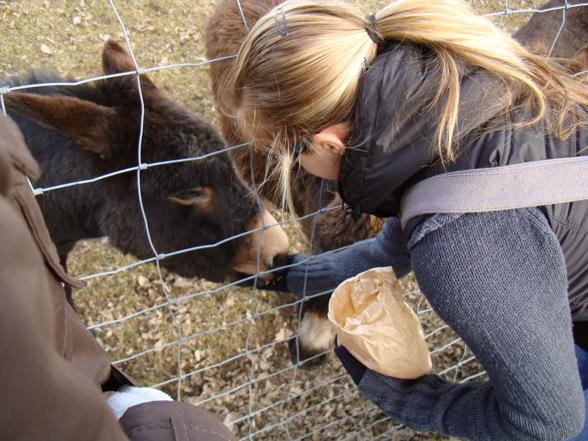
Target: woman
[(382, 102)]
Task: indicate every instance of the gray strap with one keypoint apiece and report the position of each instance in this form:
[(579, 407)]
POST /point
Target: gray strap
[(530, 184)]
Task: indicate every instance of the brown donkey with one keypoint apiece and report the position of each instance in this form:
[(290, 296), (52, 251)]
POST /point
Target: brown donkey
[(201, 218)]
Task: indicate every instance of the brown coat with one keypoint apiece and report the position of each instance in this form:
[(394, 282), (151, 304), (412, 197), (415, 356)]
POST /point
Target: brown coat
[(52, 370)]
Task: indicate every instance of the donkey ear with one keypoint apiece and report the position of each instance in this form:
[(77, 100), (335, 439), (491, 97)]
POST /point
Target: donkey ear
[(84, 121), (116, 59)]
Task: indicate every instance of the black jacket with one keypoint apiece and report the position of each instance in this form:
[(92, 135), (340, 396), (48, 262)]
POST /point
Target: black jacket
[(392, 146)]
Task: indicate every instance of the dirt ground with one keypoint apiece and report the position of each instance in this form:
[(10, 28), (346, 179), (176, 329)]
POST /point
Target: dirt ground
[(222, 347)]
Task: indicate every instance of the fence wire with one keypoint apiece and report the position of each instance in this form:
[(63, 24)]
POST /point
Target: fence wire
[(230, 349)]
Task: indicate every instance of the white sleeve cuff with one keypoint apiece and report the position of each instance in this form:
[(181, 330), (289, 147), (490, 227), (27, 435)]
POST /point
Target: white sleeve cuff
[(127, 396)]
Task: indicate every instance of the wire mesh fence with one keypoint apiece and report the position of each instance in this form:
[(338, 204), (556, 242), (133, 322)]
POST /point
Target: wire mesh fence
[(233, 350)]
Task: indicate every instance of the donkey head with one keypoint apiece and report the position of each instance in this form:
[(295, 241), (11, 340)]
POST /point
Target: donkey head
[(185, 201)]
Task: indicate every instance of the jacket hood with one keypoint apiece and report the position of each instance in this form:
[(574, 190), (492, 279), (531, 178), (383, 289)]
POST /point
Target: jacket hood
[(393, 137)]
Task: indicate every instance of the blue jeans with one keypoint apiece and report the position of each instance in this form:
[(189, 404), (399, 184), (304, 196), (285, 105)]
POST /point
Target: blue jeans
[(582, 357)]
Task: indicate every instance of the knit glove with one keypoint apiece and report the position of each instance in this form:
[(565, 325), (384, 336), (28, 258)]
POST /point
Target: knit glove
[(355, 368)]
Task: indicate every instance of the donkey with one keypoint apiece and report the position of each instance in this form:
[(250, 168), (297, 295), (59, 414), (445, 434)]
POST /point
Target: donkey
[(542, 31), (196, 204)]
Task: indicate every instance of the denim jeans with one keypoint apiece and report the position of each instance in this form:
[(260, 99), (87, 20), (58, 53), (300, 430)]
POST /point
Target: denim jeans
[(582, 357)]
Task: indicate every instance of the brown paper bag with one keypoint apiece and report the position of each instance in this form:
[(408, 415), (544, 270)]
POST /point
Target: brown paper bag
[(377, 327)]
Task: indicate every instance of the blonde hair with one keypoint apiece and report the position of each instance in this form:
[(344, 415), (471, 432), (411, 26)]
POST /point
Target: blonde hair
[(288, 87)]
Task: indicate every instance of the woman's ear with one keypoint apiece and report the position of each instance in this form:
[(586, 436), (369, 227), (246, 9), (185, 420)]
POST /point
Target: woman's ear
[(333, 137)]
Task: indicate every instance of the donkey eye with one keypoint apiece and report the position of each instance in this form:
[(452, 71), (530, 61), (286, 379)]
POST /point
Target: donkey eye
[(194, 196), (190, 194)]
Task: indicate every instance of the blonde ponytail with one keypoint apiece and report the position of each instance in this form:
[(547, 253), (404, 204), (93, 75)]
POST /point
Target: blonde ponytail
[(456, 34)]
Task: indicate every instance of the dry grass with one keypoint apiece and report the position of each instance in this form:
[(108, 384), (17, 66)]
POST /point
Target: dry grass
[(233, 355)]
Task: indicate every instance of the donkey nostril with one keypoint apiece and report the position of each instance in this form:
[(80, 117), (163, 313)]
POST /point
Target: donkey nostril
[(280, 260)]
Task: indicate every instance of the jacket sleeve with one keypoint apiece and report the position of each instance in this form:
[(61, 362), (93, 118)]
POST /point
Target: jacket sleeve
[(43, 396), (51, 367), (499, 280), (173, 421), (324, 272)]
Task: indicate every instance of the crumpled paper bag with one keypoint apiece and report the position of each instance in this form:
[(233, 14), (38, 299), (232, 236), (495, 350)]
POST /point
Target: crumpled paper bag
[(377, 327)]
